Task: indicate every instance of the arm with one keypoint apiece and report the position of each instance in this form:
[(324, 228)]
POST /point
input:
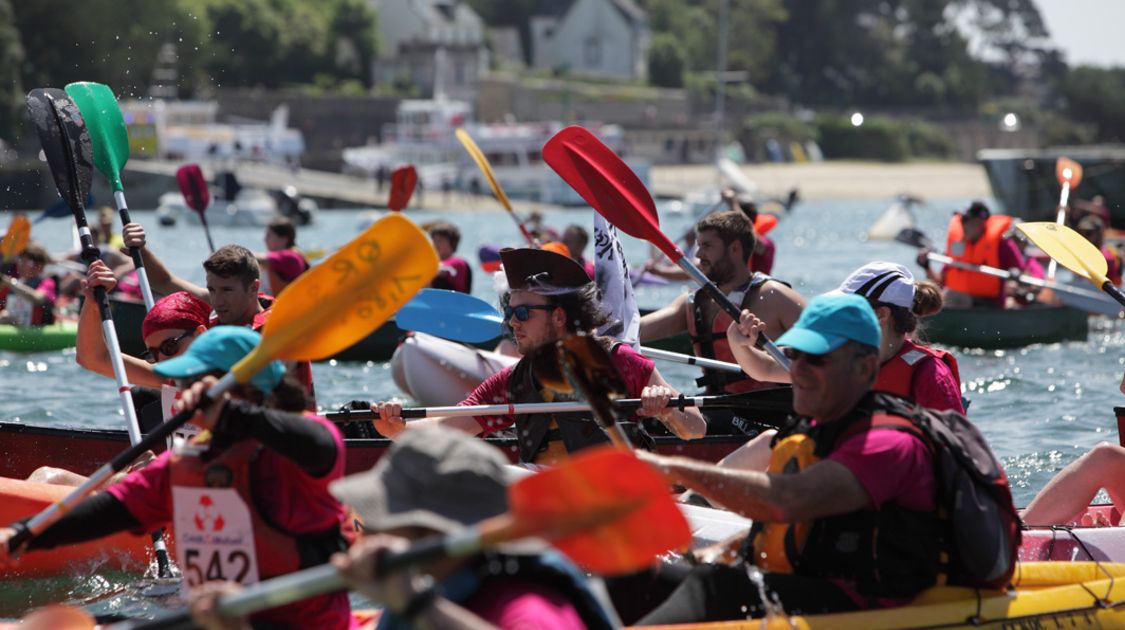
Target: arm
[(687, 424), (162, 281), (823, 489), (390, 422), (742, 335), (91, 352), (665, 322), (779, 306), (38, 298)]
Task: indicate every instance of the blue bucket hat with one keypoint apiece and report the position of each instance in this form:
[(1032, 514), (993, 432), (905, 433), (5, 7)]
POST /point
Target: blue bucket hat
[(219, 349), (831, 320)]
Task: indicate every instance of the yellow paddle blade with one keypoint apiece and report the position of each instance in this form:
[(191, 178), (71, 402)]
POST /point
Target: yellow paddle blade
[(1069, 171), (484, 166), (1069, 248), (15, 240), (343, 299)]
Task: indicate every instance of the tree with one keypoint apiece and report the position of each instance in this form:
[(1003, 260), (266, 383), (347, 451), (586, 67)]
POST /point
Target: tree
[(1097, 96), (665, 62), (11, 59)]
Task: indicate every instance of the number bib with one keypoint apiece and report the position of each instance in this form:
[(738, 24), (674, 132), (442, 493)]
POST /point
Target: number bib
[(19, 309), (214, 536), (168, 397)]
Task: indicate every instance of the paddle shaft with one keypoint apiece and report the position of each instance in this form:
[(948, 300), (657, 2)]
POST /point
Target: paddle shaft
[(1022, 278), (715, 206), (676, 357), (1060, 218), (40, 522), (134, 252), (681, 402)]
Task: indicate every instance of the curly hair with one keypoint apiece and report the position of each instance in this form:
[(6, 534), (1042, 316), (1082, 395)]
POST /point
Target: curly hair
[(582, 307)]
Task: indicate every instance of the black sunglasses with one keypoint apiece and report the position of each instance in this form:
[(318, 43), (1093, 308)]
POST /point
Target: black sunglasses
[(815, 360), (523, 311), (167, 348)]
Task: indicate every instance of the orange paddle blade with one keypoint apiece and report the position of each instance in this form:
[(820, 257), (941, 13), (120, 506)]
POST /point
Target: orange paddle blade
[(1068, 171), (15, 240), (403, 181), (604, 508)]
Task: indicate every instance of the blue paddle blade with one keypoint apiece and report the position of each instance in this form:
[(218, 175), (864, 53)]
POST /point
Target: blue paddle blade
[(450, 315)]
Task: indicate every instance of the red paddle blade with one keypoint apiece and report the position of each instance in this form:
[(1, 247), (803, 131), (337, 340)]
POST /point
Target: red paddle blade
[(611, 512), (403, 181), (1068, 171), (607, 183), (194, 187)]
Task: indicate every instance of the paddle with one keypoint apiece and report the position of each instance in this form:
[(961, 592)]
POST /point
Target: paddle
[(110, 140), (331, 307), (1069, 175), (193, 186), (1074, 252), (486, 168), (912, 236), (587, 369), (15, 239), (66, 144), (403, 181), (450, 315), (611, 187), (608, 511)]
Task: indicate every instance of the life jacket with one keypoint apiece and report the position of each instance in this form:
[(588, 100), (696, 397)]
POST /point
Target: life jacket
[(221, 532), (889, 551), (896, 375), (576, 430), (550, 569), (972, 539), (986, 251), (709, 339)]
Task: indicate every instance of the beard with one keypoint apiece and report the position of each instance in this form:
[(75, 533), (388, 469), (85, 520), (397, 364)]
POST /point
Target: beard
[(720, 271)]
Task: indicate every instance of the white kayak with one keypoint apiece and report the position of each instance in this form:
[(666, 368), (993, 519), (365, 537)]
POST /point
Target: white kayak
[(436, 372)]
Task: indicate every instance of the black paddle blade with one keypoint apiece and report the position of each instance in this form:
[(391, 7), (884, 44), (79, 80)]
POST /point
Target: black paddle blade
[(66, 144), (913, 237), (589, 368)]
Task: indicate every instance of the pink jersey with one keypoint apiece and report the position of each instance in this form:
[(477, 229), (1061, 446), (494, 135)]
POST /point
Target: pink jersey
[(512, 604)]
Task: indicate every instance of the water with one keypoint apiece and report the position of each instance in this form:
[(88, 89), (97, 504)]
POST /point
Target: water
[(1040, 407)]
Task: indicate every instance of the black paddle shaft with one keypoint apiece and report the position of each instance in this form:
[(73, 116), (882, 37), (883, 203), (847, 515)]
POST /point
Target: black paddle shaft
[(1114, 292)]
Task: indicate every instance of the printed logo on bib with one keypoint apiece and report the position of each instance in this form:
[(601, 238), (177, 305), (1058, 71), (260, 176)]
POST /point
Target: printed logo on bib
[(214, 536), (168, 397)]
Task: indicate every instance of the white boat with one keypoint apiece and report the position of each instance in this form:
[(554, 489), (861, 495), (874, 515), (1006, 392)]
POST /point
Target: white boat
[(436, 372), (424, 136), (250, 206)]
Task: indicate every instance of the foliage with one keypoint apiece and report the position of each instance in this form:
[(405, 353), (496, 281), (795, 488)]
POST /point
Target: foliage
[(881, 138), (1096, 96), (11, 59), (665, 62)]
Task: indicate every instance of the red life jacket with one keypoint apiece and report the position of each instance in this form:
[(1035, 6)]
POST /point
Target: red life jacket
[(709, 339), (896, 376), (985, 251)]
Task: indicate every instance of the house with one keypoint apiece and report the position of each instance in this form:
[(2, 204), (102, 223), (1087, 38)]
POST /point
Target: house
[(436, 45), (595, 37)]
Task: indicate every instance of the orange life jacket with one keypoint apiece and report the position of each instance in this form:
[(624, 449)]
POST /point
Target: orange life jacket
[(709, 339), (896, 376), (985, 251)]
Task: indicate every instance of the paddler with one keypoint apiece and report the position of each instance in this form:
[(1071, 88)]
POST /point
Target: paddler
[(454, 273), (548, 297), (855, 469), (440, 482), (765, 250), (725, 241), (31, 294), (260, 473), (576, 238), (282, 261), (1092, 227), (233, 290), (927, 376), (976, 237)]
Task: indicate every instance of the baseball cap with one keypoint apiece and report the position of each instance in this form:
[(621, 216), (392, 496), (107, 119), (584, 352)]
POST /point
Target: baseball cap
[(438, 479), (831, 320), (885, 282), (219, 349)]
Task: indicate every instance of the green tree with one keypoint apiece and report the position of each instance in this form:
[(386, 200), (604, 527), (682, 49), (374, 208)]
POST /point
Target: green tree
[(1096, 96), (11, 59), (665, 61)]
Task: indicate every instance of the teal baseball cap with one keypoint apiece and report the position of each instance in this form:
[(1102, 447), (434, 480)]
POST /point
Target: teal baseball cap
[(219, 349), (831, 320)]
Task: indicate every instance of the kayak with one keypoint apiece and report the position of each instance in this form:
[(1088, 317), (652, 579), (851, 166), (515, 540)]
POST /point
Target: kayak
[(990, 328), (20, 499), (437, 372), (1046, 595), (57, 336)]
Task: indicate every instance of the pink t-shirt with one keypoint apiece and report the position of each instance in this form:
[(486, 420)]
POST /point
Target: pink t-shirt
[(455, 274), (763, 262), (936, 388), (287, 264), (512, 604), (289, 498), (634, 368), (891, 465)]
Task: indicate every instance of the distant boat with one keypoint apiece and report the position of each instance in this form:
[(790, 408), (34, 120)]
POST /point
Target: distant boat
[(235, 205)]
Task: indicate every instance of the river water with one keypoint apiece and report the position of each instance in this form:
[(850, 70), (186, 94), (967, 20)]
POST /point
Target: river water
[(1040, 407)]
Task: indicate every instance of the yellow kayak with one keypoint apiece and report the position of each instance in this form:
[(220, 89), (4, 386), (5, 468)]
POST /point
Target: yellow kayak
[(1052, 595)]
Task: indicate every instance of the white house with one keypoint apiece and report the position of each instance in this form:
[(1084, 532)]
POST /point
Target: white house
[(438, 45), (603, 37)]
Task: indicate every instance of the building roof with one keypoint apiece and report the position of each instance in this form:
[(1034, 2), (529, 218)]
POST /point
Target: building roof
[(629, 9)]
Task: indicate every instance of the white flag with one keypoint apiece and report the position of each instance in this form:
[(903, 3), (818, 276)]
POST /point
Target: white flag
[(611, 273)]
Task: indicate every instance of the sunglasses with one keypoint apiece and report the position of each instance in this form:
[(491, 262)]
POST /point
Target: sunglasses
[(523, 311), (167, 348), (815, 360)]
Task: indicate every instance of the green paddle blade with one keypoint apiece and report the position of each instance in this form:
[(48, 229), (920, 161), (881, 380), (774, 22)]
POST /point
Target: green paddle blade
[(106, 126)]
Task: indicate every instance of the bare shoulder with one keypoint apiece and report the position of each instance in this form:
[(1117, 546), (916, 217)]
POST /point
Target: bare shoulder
[(774, 294)]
